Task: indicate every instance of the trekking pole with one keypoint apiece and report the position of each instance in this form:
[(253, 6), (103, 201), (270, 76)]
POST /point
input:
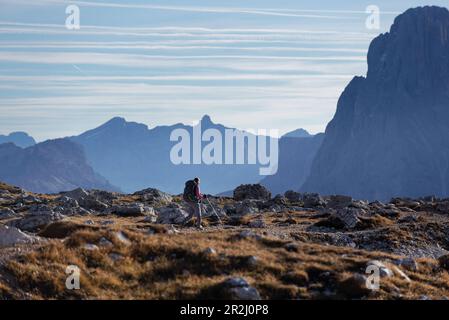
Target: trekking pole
[(215, 212)]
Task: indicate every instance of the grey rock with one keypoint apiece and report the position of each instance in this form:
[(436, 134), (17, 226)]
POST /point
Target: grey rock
[(246, 207), (247, 234), (123, 238), (115, 256), (251, 191), (103, 242), (29, 198), (338, 202), (409, 263), (76, 194), (34, 222), (258, 223), (239, 289), (68, 202), (172, 214), (210, 252), (132, 210), (292, 196), (90, 247), (252, 261), (313, 200), (7, 213), (155, 196), (292, 247), (10, 236)]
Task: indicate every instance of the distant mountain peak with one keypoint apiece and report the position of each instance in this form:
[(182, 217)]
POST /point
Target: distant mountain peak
[(298, 133), (20, 139), (116, 121), (206, 120)]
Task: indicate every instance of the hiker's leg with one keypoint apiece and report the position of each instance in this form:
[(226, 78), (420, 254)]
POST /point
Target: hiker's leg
[(191, 212), (198, 214)]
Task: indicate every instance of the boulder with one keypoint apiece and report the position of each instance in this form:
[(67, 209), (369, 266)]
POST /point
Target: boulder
[(103, 196), (132, 210), (313, 200), (87, 200), (154, 196), (347, 218), (76, 194), (246, 207), (172, 214), (68, 202), (239, 289), (36, 221), (251, 191), (292, 196), (247, 234), (209, 210), (258, 223), (92, 204), (338, 202), (40, 208), (209, 252), (29, 198), (279, 200), (10, 236), (6, 213)]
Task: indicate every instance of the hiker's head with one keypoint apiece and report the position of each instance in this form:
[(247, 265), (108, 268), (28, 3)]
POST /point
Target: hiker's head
[(197, 180)]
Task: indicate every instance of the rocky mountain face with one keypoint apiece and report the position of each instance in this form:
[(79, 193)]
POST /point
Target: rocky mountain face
[(390, 134), (132, 156), (20, 139), (296, 155), (49, 167)]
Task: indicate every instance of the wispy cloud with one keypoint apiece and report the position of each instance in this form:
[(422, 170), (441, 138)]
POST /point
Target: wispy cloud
[(196, 9)]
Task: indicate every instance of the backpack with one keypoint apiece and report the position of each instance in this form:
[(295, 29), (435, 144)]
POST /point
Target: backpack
[(189, 191)]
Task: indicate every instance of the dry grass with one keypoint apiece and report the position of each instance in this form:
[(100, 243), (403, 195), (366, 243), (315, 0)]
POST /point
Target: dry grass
[(173, 266)]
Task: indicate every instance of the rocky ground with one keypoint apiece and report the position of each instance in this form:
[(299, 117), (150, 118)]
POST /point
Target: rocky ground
[(295, 246)]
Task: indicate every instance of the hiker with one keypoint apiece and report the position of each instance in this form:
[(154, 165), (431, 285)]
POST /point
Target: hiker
[(192, 195)]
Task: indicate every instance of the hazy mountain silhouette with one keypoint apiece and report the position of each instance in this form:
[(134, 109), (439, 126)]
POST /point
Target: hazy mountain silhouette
[(134, 157), (296, 155), (298, 133), (49, 167), (20, 139), (390, 134)]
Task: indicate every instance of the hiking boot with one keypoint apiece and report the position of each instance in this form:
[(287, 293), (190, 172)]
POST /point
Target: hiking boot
[(200, 227)]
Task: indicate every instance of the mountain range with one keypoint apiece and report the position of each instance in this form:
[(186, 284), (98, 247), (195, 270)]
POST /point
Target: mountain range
[(49, 167), (134, 157), (389, 136), (20, 139)]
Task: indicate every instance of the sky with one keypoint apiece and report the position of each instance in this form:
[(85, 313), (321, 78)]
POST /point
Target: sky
[(248, 64)]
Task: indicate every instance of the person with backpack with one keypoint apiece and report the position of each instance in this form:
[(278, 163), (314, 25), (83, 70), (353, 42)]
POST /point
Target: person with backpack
[(192, 196)]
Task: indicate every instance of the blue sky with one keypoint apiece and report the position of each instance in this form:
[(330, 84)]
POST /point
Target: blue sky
[(248, 64)]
